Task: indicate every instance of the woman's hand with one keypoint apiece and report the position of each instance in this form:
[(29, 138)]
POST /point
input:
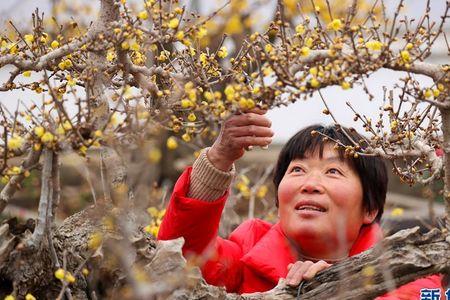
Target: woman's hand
[(304, 270), (238, 132)]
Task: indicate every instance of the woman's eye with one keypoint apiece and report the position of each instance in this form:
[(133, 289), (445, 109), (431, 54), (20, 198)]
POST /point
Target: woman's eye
[(296, 169), (334, 171)]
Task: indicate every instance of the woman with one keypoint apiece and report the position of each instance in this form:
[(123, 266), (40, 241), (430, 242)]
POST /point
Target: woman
[(329, 207)]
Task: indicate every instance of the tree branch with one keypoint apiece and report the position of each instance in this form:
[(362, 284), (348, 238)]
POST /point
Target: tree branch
[(14, 183)]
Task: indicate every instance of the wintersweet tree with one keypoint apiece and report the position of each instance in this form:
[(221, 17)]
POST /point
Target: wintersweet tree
[(134, 73)]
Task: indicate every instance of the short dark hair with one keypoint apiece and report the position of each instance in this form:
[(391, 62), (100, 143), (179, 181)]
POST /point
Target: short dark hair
[(371, 169)]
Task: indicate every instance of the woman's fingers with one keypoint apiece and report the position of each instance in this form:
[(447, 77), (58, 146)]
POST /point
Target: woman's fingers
[(314, 269), (304, 271), (296, 272), (247, 119), (246, 141), (251, 130)]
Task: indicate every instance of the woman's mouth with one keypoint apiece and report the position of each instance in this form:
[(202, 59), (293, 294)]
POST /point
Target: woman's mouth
[(308, 205)]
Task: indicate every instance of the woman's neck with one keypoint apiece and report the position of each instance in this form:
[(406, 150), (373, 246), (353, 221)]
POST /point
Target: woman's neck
[(328, 257)]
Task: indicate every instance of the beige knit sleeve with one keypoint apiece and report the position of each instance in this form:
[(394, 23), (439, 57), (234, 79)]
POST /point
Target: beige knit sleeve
[(207, 182)]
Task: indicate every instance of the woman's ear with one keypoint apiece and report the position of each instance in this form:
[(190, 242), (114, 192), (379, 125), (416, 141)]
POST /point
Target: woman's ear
[(370, 216)]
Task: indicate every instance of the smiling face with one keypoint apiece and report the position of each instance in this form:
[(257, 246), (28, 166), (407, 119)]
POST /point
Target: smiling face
[(321, 204)]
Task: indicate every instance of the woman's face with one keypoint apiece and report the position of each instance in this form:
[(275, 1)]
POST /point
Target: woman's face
[(320, 203)]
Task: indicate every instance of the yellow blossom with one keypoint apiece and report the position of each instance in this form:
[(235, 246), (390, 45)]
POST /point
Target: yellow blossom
[(9, 297), (143, 15), (85, 271), (110, 55), (436, 93), (172, 143), (13, 49), (60, 130), (135, 46), (268, 48), (203, 58), (314, 82), (95, 240), (59, 274), (208, 96), (154, 156), (396, 212), (405, 56), (409, 46), (173, 23), (234, 25), (250, 103), (68, 63), (300, 29), (179, 35), (191, 117), (37, 147), (186, 137), (61, 66), (29, 38), (304, 51), (394, 125), (125, 45), (229, 92), (201, 33), (186, 103), (335, 25), (374, 45), (66, 125), (313, 71), (428, 94), (47, 137), (262, 191), (345, 85), (29, 297), (26, 73), (15, 142), (152, 229), (223, 52), (39, 131), (54, 44), (243, 103)]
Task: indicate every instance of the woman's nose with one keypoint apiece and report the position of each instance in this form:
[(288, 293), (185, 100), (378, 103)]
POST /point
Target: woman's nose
[(311, 184)]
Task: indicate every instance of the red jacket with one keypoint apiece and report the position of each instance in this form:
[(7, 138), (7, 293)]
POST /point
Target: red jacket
[(256, 254)]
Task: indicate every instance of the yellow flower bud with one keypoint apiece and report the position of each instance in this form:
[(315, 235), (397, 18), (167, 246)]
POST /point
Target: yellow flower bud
[(59, 274), (29, 297), (54, 44), (300, 29), (95, 240), (345, 85), (191, 117), (143, 15), (335, 25), (186, 137), (39, 131), (29, 38), (304, 51), (223, 52), (26, 73), (47, 137), (15, 142), (171, 143), (173, 23)]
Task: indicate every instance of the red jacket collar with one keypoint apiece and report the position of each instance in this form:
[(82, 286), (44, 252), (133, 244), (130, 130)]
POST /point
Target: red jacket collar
[(271, 255)]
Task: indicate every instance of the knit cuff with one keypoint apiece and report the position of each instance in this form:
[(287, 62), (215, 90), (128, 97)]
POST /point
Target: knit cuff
[(207, 182)]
